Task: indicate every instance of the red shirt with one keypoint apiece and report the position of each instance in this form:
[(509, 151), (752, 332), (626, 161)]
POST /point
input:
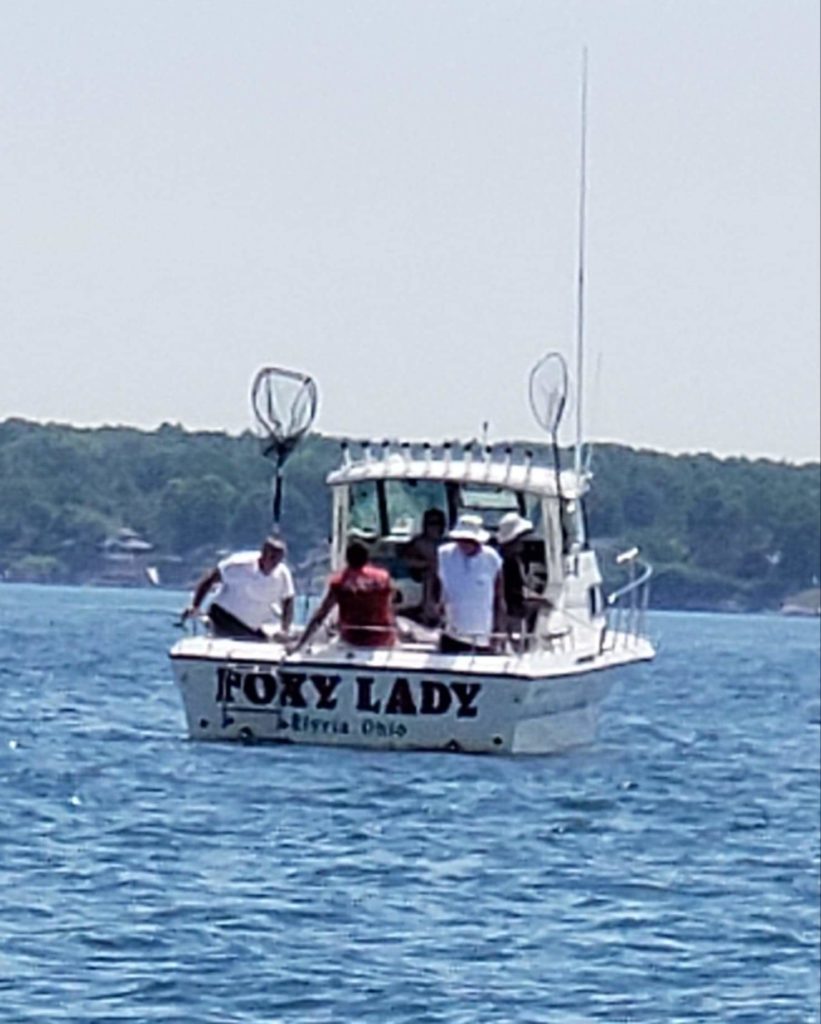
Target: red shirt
[(364, 599)]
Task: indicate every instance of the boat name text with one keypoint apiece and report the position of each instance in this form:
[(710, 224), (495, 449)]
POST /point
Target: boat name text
[(318, 692)]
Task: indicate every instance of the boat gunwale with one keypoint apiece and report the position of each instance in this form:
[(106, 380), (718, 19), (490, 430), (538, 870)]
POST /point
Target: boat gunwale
[(581, 666)]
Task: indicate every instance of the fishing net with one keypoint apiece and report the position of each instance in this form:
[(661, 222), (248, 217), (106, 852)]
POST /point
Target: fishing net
[(548, 391), (284, 403)]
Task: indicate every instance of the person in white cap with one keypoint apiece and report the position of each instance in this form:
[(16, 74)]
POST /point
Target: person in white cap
[(256, 589), (521, 603), (470, 574)]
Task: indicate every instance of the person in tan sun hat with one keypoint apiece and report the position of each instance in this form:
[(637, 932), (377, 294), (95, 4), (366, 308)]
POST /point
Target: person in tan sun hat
[(521, 603)]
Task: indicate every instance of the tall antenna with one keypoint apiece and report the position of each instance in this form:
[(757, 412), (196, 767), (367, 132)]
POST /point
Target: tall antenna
[(577, 462)]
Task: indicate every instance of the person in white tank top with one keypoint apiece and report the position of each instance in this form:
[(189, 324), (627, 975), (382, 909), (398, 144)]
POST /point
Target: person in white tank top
[(472, 594)]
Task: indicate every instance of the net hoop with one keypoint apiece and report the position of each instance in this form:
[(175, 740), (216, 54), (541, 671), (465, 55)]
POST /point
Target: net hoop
[(284, 403), (547, 390)]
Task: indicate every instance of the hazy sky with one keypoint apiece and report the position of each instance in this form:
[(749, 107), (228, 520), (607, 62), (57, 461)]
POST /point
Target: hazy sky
[(384, 193)]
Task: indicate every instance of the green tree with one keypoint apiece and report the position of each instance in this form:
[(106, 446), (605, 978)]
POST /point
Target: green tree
[(719, 530), (195, 513)]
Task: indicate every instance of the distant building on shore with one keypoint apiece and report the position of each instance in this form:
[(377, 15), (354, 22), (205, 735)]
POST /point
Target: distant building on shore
[(126, 558), (806, 602)]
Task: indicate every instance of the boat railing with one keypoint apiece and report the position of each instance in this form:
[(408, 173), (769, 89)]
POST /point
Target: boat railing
[(406, 636), (625, 618), (626, 607)]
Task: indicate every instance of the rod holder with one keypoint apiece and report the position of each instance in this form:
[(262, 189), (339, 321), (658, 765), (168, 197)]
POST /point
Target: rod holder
[(467, 456), (508, 458)]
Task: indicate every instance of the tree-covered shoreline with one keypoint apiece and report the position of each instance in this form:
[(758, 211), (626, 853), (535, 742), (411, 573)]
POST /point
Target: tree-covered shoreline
[(82, 504)]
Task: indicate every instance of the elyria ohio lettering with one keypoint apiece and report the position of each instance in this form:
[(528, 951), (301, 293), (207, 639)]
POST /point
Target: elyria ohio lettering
[(383, 695)]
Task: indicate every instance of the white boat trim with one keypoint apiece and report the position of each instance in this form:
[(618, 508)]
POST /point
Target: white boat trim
[(539, 481)]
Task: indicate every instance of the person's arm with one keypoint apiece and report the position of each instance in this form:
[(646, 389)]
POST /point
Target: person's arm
[(316, 620), (283, 607), (416, 559), (287, 614), (533, 598), (437, 609), (499, 610), (392, 592), (209, 580)]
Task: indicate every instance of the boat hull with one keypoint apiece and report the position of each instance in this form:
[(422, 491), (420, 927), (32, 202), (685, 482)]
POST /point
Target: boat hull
[(395, 700)]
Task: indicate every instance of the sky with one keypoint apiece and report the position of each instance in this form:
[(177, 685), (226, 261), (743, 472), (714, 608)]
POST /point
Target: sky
[(385, 194)]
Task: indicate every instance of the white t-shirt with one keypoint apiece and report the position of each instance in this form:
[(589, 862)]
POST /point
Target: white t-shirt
[(250, 595), (468, 585)]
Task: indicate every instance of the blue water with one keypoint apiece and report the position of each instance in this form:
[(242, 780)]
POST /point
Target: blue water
[(668, 873)]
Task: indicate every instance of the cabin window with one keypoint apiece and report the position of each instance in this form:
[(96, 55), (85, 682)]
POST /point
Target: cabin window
[(491, 503), (533, 510), (392, 508), (406, 501), (363, 505), (387, 515)]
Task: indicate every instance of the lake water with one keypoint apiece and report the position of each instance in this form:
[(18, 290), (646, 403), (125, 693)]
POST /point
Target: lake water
[(668, 873)]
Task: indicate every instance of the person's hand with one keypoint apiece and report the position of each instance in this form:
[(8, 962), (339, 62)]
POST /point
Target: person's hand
[(187, 613), (406, 634)]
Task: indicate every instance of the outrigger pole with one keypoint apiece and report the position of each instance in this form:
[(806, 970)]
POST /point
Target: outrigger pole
[(577, 465)]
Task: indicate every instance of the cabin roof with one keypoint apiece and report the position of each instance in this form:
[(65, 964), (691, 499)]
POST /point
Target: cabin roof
[(515, 475)]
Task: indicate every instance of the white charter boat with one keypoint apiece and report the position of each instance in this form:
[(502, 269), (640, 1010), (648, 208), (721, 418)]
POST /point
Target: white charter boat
[(540, 693)]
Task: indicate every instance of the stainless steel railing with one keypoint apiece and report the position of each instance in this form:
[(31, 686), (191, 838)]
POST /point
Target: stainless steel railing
[(626, 607)]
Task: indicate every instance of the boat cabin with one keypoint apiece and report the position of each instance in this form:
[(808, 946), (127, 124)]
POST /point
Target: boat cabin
[(381, 497)]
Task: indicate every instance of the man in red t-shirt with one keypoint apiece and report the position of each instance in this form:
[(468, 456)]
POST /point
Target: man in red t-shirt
[(362, 593)]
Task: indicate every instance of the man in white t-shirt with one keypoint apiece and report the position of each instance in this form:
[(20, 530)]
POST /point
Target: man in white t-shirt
[(471, 580), (255, 589)]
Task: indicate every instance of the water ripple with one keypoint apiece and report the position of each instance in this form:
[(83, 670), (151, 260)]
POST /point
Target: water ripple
[(668, 873)]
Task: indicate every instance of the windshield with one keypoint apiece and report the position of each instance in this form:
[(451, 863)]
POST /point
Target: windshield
[(393, 508), (491, 503)]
